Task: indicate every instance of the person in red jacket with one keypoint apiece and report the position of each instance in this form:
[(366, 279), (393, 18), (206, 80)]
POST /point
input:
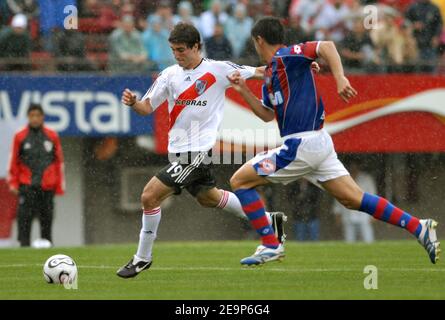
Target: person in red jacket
[(36, 174)]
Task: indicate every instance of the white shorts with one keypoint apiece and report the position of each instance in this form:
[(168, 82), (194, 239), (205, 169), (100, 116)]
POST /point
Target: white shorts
[(310, 155)]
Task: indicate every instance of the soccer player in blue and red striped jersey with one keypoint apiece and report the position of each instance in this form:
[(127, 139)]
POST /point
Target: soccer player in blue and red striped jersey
[(290, 96)]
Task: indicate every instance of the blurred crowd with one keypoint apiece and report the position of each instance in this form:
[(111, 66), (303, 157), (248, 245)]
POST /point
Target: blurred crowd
[(131, 36)]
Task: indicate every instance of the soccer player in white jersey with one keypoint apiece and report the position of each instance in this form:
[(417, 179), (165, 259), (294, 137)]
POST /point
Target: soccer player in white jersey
[(195, 90)]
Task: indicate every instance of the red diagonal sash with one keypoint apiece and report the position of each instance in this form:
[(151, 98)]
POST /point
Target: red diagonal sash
[(191, 93)]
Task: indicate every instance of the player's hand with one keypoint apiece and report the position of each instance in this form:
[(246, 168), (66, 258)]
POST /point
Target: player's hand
[(237, 82), (128, 98), (315, 67), (345, 90)]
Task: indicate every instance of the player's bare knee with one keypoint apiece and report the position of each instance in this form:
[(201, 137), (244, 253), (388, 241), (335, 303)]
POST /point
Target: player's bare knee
[(208, 199), (235, 182), (206, 202), (149, 201)]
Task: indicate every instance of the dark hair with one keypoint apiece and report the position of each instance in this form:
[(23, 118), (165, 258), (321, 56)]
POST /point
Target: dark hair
[(35, 106), (270, 29), (185, 33)]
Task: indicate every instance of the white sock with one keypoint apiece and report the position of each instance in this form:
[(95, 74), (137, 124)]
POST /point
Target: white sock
[(150, 223), (229, 202)]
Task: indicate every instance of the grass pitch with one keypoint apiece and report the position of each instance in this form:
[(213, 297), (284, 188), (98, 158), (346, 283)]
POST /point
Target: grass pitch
[(211, 270)]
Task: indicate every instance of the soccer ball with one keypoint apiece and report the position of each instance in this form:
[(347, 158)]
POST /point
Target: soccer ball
[(60, 269)]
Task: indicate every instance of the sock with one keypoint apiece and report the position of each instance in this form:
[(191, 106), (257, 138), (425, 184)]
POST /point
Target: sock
[(382, 209), (230, 203), (150, 223), (254, 209)]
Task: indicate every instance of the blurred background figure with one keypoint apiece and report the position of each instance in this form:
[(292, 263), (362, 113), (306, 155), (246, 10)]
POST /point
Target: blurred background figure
[(237, 29), (427, 25), (30, 8), (51, 18), (69, 49), (155, 40), (357, 48), (15, 45), (208, 19), (127, 53), (306, 11), (356, 225), (36, 175), (305, 199), (330, 22), (164, 12), (185, 14), (295, 33), (396, 49), (218, 47)]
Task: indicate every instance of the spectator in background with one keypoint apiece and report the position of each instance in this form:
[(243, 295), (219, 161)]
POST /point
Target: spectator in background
[(112, 13), (238, 28), (295, 33), (15, 45), (427, 24), (5, 13), (354, 222), (185, 14), (36, 174), (441, 5), (165, 13), (249, 55), (209, 18), (30, 8), (127, 53), (141, 10), (306, 200), (307, 11), (155, 40), (52, 17), (330, 23), (69, 49), (396, 49), (399, 5), (357, 50), (89, 9), (218, 47)]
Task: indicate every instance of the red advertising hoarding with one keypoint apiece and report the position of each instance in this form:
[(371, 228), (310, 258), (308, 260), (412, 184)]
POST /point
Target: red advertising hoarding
[(392, 113)]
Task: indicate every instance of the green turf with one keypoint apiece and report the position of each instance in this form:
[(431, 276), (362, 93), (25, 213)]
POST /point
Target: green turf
[(211, 270)]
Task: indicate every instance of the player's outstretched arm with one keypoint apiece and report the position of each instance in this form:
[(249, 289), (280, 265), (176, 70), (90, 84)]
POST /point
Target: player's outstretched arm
[(141, 107), (239, 84), (328, 52)]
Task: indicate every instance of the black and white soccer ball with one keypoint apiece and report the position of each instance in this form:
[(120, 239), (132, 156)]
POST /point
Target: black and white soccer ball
[(60, 269)]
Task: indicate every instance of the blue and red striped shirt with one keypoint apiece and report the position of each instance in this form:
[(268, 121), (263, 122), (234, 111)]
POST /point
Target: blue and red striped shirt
[(290, 90)]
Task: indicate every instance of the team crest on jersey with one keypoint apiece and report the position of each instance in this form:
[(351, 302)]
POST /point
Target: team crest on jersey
[(48, 145), (200, 86), (266, 167)]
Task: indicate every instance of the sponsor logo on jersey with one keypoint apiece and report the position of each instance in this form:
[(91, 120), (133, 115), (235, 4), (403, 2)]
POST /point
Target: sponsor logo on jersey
[(189, 102)]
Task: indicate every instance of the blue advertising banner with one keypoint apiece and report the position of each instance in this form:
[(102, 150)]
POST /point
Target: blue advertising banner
[(76, 105)]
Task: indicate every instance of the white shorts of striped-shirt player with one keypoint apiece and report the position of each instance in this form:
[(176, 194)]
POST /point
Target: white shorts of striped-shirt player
[(310, 155)]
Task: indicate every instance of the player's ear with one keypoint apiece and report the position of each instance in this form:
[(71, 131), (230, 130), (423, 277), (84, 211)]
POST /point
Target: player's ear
[(258, 40)]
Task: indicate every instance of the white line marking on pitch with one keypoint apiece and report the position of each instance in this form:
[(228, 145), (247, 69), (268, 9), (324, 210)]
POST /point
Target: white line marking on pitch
[(240, 268)]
